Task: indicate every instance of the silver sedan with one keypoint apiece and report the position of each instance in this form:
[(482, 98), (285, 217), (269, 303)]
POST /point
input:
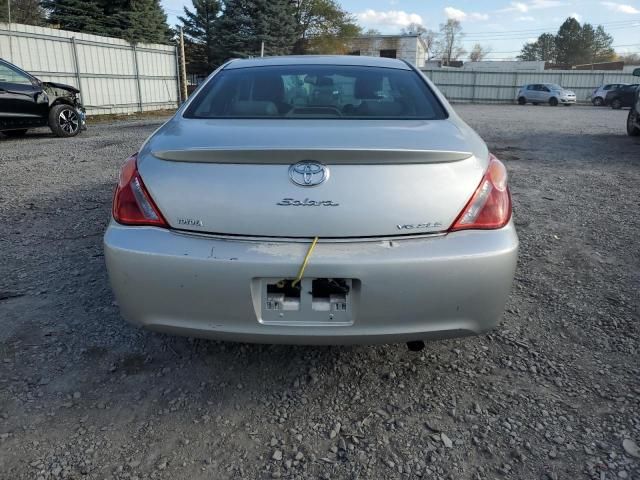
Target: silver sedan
[(313, 200), (550, 93)]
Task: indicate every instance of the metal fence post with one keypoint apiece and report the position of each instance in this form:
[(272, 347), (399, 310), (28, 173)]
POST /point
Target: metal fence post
[(137, 74), (179, 92), (74, 47), (473, 90)]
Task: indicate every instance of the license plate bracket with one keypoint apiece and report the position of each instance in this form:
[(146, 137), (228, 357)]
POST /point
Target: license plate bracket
[(312, 302)]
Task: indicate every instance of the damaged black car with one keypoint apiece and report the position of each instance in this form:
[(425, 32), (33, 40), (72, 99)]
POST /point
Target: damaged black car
[(27, 102)]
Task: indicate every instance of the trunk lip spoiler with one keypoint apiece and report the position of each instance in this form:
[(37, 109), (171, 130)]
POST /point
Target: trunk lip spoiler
[(329, 156)]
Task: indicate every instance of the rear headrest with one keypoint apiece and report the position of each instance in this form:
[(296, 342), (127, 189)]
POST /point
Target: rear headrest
[(268, 88), (366, 87), (325, 82)]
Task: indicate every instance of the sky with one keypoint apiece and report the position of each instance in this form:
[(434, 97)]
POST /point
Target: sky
[(501, 25)]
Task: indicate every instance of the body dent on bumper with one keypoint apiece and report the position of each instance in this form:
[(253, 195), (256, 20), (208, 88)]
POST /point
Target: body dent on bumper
[(410, 289)]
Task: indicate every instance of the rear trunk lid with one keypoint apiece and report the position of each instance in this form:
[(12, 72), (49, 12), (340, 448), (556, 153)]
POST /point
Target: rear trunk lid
[(382, 178)]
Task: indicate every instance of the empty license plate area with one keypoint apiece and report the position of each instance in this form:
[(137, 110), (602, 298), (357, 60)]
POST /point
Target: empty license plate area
[(312, 301)]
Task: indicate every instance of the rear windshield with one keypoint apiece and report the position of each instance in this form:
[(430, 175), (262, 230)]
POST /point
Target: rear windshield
[(316, 91)]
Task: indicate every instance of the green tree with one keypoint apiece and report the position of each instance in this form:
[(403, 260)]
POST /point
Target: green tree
[(27, 12), (146, 22), (602, 49), (245, 24), (544, 48), (274, 24), (235, 30), (569, 42), (574, 44), (134, 20), (76, 15), (323, 27), (200, 27)]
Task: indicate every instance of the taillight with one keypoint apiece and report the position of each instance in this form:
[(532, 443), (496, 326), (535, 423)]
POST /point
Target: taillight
[(490, 206), (132, 204)]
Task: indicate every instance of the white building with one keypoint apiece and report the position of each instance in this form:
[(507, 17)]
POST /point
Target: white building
[(405, 47)]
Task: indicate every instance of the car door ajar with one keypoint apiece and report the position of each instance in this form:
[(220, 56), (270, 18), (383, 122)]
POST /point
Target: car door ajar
[(23, 102)]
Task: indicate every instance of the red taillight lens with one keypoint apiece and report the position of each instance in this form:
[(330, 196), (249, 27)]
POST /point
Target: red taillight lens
[(132, 204), (490, 206)]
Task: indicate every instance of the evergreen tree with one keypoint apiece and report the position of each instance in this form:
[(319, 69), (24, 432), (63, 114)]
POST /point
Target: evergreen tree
[(274, 24), (574, 44), (115, 17), (542, 49), (27, 12), (245, 24), (147, 23), (235, 30), (76, 15), (601, 49), (133, 20), (569, 46), (200, 28)]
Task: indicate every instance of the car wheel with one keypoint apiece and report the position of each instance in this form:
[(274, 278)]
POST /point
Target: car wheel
[(522, 101), (616, 104), (598, 101), (64, 121), (15, 133), (632, 130), (553, 102)]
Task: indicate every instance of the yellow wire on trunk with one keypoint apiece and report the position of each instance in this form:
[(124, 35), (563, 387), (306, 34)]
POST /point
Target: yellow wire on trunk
[(303, 267)]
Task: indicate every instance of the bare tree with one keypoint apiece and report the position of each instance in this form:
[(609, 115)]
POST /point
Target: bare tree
[(478, 53), (449, 44), (629, 58), (28, 12), (428, 37), (413, 29)]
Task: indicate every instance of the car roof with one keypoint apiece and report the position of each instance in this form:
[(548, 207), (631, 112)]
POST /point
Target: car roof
[(350, 60)]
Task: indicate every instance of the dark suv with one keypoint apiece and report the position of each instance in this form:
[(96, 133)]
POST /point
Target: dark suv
[(621, 97), (633, 120), (26, 102)]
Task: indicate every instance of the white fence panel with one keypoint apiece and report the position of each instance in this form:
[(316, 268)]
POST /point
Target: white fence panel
[(114, 76), (503, 86)]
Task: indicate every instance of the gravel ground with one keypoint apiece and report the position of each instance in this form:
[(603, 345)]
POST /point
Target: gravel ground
[(552, 393)]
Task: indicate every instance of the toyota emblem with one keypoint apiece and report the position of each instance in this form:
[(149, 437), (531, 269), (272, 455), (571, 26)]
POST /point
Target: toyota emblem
[(308, 173)]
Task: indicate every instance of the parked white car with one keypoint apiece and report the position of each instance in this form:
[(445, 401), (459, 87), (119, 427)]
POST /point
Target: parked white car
[(550, 93), (600, 94)]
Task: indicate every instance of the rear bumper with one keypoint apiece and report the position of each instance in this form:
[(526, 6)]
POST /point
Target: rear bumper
[(411, 289)]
